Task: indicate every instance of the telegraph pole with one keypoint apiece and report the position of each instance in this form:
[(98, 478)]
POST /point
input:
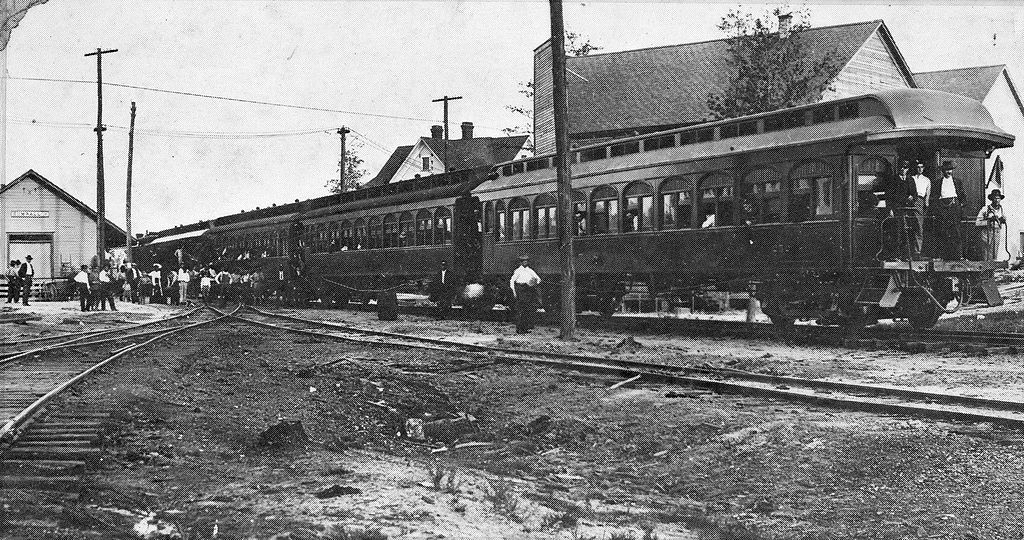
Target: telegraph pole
[(128, 198), (101, 217), (341, 163), (566, 220), (446, 99)]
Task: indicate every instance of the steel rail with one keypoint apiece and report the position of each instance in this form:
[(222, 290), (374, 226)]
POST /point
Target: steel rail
[(8, 430), (70, 334), (692, 376), (81, 341)]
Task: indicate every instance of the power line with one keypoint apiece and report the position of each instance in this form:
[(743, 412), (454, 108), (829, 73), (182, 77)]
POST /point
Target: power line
[(226, 98)]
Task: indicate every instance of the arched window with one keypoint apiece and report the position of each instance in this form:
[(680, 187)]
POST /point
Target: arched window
[(424, 232), (376, 233), (390, 231), (639, 209), (604, 210), (442, 226), (716, 200), (871, 175), (344, 239), (488, 217), (359, 235), (810, 196), (763, 196), (500, 222), (676, 203), (519, 217), (546, 207), (579, 212), (406, 230)]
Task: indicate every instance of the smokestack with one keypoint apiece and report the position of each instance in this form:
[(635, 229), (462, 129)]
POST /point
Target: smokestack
[(467, 130), (785, 20), (436, 132)]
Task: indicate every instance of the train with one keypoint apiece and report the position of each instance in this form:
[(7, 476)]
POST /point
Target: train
[(787, 205)]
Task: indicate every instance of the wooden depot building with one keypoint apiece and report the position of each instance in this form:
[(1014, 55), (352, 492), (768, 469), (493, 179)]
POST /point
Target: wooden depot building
[(48, 223)]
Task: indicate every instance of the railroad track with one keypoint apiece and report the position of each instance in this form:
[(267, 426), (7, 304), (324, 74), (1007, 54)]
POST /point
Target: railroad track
[(48, 451), (840, 395)]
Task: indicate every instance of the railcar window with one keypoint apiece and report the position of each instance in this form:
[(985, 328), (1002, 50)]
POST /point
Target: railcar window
[(390, 231), (625, 148), (537, 164), (342, 235), (676, 203), (488, 217), (748, 128), (442, 226), (716, 201), (406, 230), (506, 170), (376, 233), (811, 192), (824, 114), (871, 175), (604, 210), (501, 222), (547, 220), (728, 131), (848, 110), (704, 135), (593, 154), (687, 137), (763, 197), (657, 143), (424, 232), (639, 209), (579, 212), (519, 212), (359, 234), (517, 168)]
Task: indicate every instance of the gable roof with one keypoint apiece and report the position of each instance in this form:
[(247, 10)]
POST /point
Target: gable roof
[(973, 82), (669, 86), (65, 196), (462, 154)]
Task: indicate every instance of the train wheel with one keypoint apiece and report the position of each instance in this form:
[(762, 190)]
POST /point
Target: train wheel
[(919, 309), (776, 311)]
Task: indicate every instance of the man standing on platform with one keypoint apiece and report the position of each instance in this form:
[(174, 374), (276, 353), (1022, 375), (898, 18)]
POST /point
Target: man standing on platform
[(946, 204), (919, 188), (990, 222), (524, 284), (26, 273), (84, 290)]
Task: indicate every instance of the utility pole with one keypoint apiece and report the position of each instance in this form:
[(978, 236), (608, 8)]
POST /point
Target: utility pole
[(101, 206), (341, 163), (128, 197), (446, 99), (566, 220)]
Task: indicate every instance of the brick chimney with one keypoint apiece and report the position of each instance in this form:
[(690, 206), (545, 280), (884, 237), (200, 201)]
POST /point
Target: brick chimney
[(436, 132), (785, 21), (467, 130)]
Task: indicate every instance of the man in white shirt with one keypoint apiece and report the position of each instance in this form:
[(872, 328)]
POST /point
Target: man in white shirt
[(946, 204), (82, 284), (524, 285), (26, 273), (919, 188), (184, 278)]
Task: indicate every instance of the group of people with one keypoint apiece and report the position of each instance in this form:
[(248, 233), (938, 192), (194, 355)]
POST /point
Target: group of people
[(97, 287), (19, 280), (911, 197)]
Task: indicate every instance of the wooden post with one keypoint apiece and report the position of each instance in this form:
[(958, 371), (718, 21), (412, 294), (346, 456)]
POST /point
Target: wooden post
[(566, 221), (101, 204), (128, 196)]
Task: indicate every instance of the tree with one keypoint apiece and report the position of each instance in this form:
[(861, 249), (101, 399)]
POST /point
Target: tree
[(575, 45), (771, 69), (354, 171), (11, 13)]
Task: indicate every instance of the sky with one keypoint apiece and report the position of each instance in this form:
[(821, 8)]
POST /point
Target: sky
[(373, 67)]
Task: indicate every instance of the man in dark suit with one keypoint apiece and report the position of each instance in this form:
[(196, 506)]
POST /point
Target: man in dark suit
[(898, 201), (946, 206), (26, 273), (442, 291)]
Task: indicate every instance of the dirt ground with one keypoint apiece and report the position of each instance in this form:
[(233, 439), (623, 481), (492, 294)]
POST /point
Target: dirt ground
[(528, 452)]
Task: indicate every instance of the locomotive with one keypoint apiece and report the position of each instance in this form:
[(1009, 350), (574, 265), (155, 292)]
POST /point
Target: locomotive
[(786, 204)]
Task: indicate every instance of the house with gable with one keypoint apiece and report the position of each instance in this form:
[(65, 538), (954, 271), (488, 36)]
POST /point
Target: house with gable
[(646, 90), (434, 155), (993, 86)]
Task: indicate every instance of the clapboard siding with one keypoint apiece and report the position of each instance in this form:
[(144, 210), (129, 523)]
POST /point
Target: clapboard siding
[(74, 232), (871, 69)]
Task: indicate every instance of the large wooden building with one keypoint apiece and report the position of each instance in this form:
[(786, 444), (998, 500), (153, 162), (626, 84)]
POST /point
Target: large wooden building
[(42, 220)]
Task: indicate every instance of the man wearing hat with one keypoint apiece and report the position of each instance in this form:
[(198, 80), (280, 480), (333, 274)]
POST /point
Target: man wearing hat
[(990, 223), (945, 202), (897, 202), (26, 273), (524, 285)]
